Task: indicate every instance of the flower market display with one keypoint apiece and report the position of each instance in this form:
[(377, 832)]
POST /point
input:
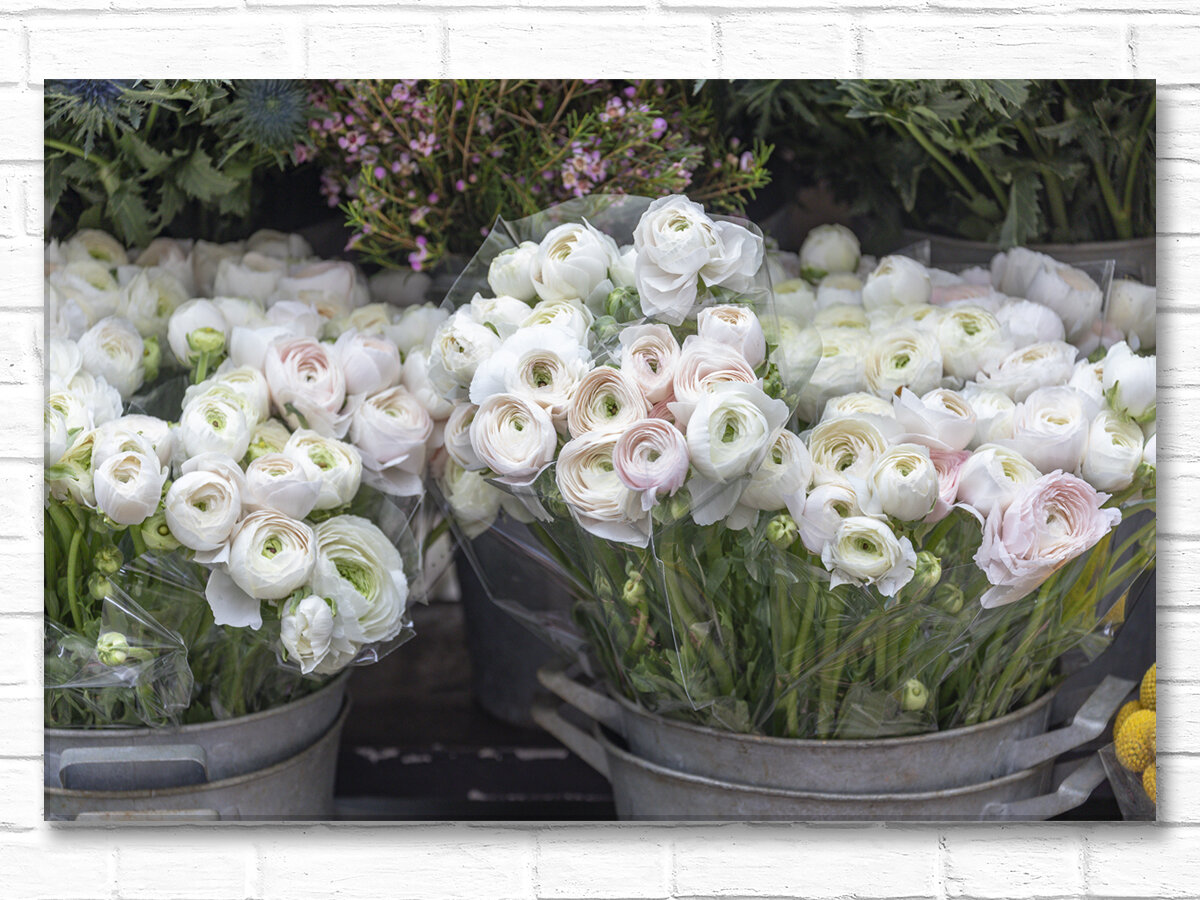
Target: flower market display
[(235, 447), (879, 500)]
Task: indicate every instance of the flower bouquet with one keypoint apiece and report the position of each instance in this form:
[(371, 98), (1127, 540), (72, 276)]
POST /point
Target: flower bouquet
[(233, 477), (878, 500)]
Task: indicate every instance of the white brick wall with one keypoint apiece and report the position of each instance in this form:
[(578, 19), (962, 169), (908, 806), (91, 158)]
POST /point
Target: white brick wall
[(1086, 38)]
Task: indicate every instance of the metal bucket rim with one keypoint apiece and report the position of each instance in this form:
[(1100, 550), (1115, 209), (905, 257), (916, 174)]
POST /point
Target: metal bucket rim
[(704, 781), (235, 781), (337, 682), (1048, 248), (854, 743)]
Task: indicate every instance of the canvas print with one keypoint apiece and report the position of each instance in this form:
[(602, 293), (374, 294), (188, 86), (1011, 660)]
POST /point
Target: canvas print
[(594, 449)]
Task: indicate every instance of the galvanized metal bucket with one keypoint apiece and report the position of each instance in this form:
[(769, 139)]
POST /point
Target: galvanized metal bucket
[(300, 787), (145, 758), (646, 790), (928, 762)]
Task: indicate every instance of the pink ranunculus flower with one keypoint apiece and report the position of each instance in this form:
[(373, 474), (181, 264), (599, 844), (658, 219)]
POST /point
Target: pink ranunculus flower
[(1050, 522), (369, 364), (703, 365), (735, 326), (307, 385), (650, 355), (651, 458), (948, 465)]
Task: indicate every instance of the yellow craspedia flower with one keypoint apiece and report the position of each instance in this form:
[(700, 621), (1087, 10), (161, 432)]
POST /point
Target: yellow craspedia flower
[(1135, 742), (1124, 713), (1150, 782), (1149, 693)]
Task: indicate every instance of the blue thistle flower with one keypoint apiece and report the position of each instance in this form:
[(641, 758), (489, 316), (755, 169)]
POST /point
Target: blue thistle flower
[(271, 113)]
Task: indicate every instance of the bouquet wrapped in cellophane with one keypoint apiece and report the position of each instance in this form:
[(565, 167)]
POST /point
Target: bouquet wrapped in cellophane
[(234, 477), (877, 500)]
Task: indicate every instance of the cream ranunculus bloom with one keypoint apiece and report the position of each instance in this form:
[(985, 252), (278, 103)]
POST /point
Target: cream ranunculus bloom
[(112, 349), (1050, 428), (650, 355), (865, 551), (282, 483), (361, 570), (459, 346), (651, 458), (897, 281), (782, 478), (271, 555), (971, 339), (903, 357), (992, 476), (1114, 450), (335, 464), (188, 322), (840, 370), (511, 272), (903, 483), (572, 263), (541, 362), (845, 447), (942, 419), (606, 399), (514, 437), (571, 315), (993, 413), (736, 327), (314, 638), (391, 430), (128, 486), (678, 246), (474, 503), (369, 364), (829, 249), (252, 277), (1025, 370), (308, 386), (704, 364), (598, 498), (1131, 309), (1130, 382), (202, 508), (214, 422)]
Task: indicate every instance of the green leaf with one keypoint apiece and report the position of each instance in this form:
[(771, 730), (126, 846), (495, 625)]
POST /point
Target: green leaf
[(1021, 223), (129, 215), (199, 179), (153, 162)]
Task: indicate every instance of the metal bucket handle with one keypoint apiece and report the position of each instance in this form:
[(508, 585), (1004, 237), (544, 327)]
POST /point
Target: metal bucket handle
[(586, 747), (1072, 792), (134, 766), (1089, 722), (555, 677)]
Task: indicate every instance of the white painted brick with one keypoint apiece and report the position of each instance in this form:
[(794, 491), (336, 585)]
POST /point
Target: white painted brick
[(432, 861), (21, 636), (1178, 194), (21, 274), (20, 115), (1178, 126), (1160, 51), (385, 48), (28, 874), (21, 488), (1004, 47), (754, 44), (216, 865), (21, 435), (616, 864), (1013, 861), (20, 340), (21, 788), (812, 862), (22, 717), (22, 580), (1179, 794), (1116, 861), (33, 203), (12, 61), (228, 48), (1178, 730), (553, 45), (1178, 573)]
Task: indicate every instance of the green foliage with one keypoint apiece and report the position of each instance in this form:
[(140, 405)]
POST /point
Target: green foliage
[(133, 157), (1010, 162)]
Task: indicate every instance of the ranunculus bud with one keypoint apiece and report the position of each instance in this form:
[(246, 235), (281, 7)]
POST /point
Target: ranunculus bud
[(915, 696), (157, 534), (112, 648), (948, 597), (828, 249), (782, 531), (108, 560), (926, 575)]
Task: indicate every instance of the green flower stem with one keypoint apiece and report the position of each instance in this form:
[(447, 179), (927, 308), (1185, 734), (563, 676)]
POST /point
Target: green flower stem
[(435, 533), (201, 371), (1136, 156), (72, 574), (1120, 216), (830, 668), (1053, 184), (799, 657), (999, 698), (139, 542), (929, 147), (75, 151)]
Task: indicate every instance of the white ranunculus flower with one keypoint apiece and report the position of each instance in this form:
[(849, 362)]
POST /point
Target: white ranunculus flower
[(839, 289), (678, 246), (414, 375), (830, 249), (128, 486), (841, 315), (502, 314), (94, 244), (112, 349), (840, 370), (782, 477), (473, 501), (735, 326), (361, 570), (569, 314), (992, 476), (1026, 322), (903, 357), (248, 345), (101, 399), (845, 447), (599, 500), (1089, 378), (336, 464), (271, 555), (195, 317), (71, 476), (391, 430), (514, 437), (1072, 294), (1114, 450), (703, 364), (1050, 427), (415, 328), (75, 414), (857, 403), (993, 413), (650, 356), (369, 364), (55, 434), (623, 272), (896, 281), (457, 437), (314, 638), (296, 318), (821, 513), (865, 551), (206, 257), (1013, 271), (542, 362), (270, 436), (729, 435), (903, 483), (1150, 452), (248, 383), (202, 508), (795, 300), (148, 301), (651, 458), (282, 483), (511, 272), (278, 244), (214, 422), (1024, 371), (308, 386), (329, 287), (1130, 382), (572, 263), (241, 313), (971, 339), (605, 399), (1131, 309), (459, 346), (942, 419), (84, 293), (63, 360), (373, 319), (253, 277), (146, 434), (172, 257)]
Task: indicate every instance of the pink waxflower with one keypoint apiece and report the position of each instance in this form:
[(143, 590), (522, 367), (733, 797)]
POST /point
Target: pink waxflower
[(651, 458), (1050, 522)]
